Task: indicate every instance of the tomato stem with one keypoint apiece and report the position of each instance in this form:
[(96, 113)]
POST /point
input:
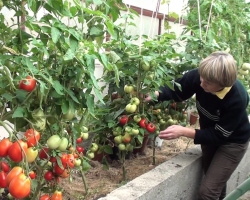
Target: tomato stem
[(84, 180)]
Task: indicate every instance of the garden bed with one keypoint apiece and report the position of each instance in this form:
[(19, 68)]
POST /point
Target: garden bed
[(102, 181)]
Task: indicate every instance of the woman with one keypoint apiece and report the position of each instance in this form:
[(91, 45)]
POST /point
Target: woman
[(224, 132)]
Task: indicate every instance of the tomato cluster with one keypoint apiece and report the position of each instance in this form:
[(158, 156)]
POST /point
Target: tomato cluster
[(52, 159)]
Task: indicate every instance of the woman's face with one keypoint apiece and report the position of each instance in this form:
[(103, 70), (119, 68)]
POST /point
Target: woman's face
[(209, 86)]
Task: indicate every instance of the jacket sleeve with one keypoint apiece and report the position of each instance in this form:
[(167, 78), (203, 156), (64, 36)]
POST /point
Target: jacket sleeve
[(188, 84)]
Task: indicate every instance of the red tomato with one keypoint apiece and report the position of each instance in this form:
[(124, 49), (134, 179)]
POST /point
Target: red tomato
[(123, 120), (32, 175), (79, 140), (52, 159), (143, 123), (13, 173), (48, 176), (44, 197), (4, 146), (3, 179), (79, 149), (57, 195), (32, 136), (20, 186), (4, 166), (58, 170), (27, 84), (151, 128), (64, 158), (43, 154), (15, 151), (71, 160)]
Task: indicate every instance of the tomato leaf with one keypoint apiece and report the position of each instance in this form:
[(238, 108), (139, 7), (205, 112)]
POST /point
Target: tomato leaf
[(58, 87), (72, 95), (55, 33), (19, 112)]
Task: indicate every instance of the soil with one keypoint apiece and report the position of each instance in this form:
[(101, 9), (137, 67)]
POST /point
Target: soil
[(102, 181)]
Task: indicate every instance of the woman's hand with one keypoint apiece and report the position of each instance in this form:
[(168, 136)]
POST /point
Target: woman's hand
[(148, 98), (176, 131)]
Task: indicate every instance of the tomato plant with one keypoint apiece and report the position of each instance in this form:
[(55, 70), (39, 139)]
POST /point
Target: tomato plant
[(28, 84)]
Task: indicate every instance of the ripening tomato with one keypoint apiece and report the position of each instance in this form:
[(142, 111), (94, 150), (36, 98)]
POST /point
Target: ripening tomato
[(57, 195), (27, 84), (15, 151), (32, 136), (4, 146), (71, 160), (20, 186), (44, 197), (4, 166), (13, 173), (65, 173), (31, 154), (3, 179)]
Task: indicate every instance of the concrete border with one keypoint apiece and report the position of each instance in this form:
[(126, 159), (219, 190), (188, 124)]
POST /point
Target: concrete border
[(175, 179)]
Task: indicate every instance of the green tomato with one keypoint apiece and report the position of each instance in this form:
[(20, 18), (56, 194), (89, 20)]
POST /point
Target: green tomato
[(84, 129), (145, 66), (137, 118), (129, 147), (118, 139), (117, 131), (131, 108), (246, 66), (128, 129), (122, 147), (69, 115), (64, 144), (78, 162), (54, 141), (90, 154), (135, 131), (85, 135), (94, 147), (135, 101), (128, 88)]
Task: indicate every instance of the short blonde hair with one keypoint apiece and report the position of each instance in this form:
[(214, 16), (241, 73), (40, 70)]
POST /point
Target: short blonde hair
[(220, 68)]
